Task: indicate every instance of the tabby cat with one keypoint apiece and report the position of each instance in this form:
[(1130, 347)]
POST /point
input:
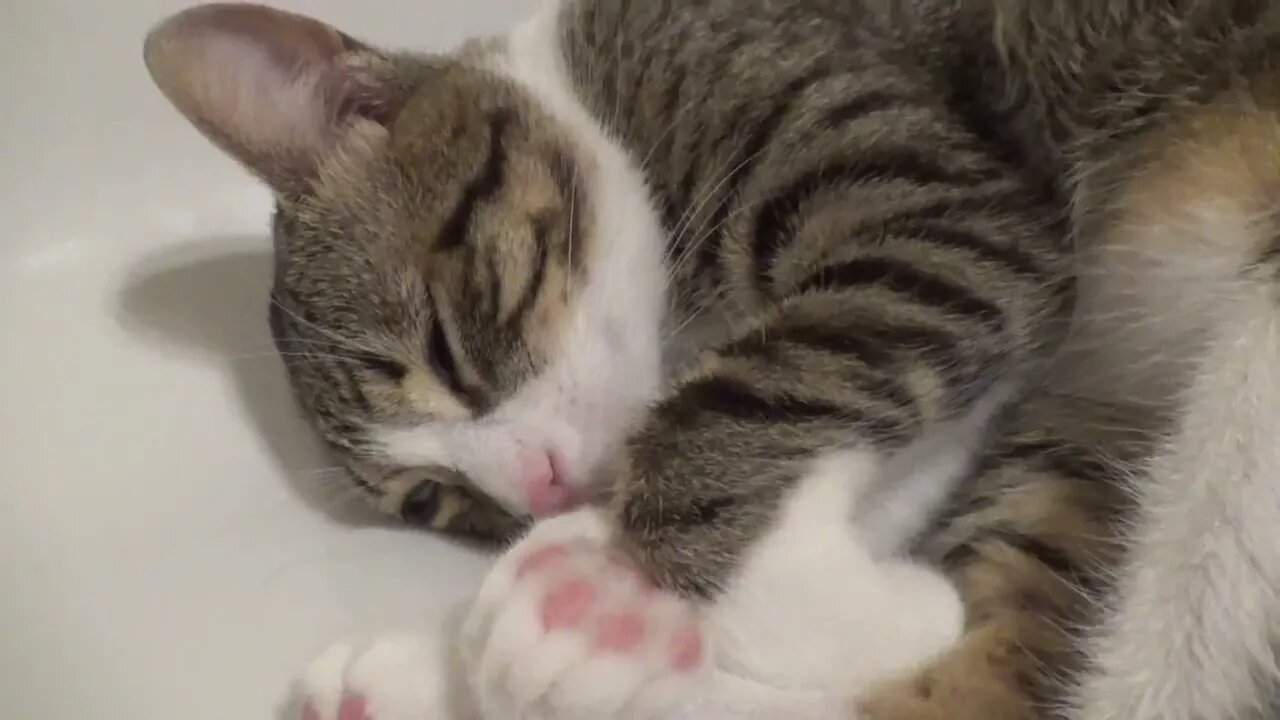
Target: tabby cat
[(690, 259)]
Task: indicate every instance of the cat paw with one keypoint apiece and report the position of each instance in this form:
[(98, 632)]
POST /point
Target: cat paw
[(394, 678), (565, 629)]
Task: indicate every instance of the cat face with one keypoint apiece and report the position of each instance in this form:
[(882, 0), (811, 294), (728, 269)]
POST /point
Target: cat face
[(454, 300)]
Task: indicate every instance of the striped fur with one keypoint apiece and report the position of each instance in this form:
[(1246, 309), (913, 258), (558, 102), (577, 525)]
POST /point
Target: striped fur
[(1031, 543), (1161, 116), (870, 207), (882, 267)]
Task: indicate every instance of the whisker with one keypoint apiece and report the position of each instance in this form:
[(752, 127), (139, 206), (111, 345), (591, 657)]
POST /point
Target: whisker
[(336, 469), (573, 211), (692, 248), (348, 343), (671, 126), (308, 355)]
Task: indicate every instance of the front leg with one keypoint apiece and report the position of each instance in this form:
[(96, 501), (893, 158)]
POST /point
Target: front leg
[(872, 350)]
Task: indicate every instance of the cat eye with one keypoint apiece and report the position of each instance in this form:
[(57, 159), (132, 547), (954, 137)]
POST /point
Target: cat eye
[(389, 369), (440, 356)]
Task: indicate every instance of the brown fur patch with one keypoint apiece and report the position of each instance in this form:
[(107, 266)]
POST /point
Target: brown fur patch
[(1028, 561)]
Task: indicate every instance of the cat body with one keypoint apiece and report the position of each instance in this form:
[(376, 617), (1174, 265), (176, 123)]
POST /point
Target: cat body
[(862, 223)]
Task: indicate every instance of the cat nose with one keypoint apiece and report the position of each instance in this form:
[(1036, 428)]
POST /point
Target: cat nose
[(543, 479)]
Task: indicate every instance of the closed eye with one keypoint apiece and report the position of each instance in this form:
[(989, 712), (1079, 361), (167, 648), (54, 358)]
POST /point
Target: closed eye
[(440, 356), (385, 368)]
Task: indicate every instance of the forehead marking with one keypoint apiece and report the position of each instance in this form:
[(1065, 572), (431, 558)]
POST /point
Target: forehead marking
[(456, 228)]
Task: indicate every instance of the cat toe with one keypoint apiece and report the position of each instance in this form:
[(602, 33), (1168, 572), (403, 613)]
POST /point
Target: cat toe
[(393, 678), (577, 632)]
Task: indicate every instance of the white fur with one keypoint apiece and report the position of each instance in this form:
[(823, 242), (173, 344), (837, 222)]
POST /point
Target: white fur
[(1149, 289), (610, 367), (918, 480), (409, 676), (819, 608), (813, 609), (810, 618), (1198, 605), (1189, 632)]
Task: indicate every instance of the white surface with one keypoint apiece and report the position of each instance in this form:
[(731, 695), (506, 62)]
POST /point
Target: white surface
[(165, 548)]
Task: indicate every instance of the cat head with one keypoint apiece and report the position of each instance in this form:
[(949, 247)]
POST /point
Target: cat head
[(468, 284)]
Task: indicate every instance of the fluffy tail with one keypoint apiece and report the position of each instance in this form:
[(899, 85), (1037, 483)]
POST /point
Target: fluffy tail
[(1193, 629), (1106, 71), (1166, 116)]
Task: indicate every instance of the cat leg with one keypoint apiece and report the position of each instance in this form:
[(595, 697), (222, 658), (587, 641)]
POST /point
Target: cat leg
[(1193, 628), (812, 609), (1196, 620), (565, 628)]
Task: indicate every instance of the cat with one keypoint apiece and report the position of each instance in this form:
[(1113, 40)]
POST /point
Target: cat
[(1012, 551), (872, 210), (637, 653)]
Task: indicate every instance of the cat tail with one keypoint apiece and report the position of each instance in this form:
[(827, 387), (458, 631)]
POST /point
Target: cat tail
[(1178, 315), (1192, 628), (1103, 72)]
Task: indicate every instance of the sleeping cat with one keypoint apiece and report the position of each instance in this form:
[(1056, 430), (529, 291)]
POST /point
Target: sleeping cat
[(850, 220)]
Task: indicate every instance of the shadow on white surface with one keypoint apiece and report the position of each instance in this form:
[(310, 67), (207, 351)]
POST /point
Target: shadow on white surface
[(204, 299), (169, 550)]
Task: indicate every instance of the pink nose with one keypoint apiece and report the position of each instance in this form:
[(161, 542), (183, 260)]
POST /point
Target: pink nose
[(543, 480)]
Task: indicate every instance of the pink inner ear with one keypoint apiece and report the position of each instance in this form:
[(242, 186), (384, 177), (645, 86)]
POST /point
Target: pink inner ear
[(266, 85)]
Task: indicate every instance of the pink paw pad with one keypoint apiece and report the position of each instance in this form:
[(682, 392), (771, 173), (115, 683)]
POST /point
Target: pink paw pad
[(620, 632), (567, 605), (686, 649), (542, 559), (354, 707)]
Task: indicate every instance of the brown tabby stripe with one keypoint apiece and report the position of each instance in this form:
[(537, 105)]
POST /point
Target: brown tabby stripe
[(872, 342), (1271, 254), (672, 106), (1053, 559), (780, 352), (870, 102), (457, 227), (533, 287), (1064, 458), (921, 228), (991, 200), (776, 221), (923, 261), (907, 280), (695, 170), (743, 164), (494, 293), (741, 401)]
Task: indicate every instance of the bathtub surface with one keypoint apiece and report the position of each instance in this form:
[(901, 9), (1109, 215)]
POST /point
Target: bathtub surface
[(170, 545)]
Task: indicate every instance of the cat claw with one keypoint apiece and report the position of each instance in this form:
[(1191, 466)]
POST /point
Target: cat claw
[(565, 629)]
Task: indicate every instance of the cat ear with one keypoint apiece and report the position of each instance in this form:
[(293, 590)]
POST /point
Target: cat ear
[(271, 88)]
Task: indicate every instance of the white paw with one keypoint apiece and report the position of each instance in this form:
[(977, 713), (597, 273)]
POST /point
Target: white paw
[(564, 629), (405, 677)]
